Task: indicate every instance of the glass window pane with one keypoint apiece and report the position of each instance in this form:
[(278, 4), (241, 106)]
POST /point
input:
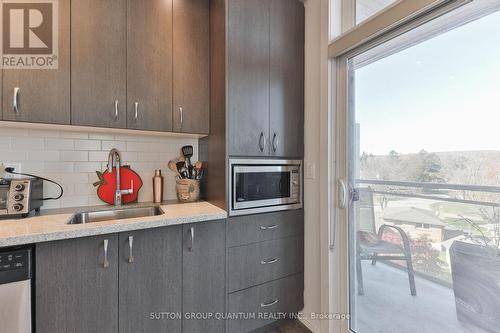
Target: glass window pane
[(367, 8), (425, 169)]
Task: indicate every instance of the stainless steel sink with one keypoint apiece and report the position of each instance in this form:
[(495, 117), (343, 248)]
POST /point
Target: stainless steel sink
[(114, 214)]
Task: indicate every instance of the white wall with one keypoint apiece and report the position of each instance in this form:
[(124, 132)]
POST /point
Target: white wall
[(73, 157), (316, 35)]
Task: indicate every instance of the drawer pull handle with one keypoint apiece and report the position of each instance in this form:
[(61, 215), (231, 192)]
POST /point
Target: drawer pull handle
[(131, 258), (262, 227), (106, 261), (136, 110), (269, 261), (15, 103), (116, 110), (265, 305), (191, 239)]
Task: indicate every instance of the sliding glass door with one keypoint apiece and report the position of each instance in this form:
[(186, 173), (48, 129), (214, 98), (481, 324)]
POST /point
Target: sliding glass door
[(421, 186)]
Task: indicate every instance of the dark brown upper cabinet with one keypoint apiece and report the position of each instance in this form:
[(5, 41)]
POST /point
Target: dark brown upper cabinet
[(265, 76), (248, 77), (98, 63), (41, 95), (191, 66), (149, 65), (287, 79)]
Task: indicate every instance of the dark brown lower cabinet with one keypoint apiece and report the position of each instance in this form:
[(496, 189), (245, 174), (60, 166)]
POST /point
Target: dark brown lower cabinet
[(169, 279), (263, 304), (150, 280), (203, 289), (76, 285)]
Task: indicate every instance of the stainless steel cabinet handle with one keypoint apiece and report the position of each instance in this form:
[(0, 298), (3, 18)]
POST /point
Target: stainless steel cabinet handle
[(269, 261), (116, 109), (106, 261), (270, 227), (181, 114), (136, 110), (275, 142), (130, 245), (262, 142), (191, 239), (15, 103), (265, 305)]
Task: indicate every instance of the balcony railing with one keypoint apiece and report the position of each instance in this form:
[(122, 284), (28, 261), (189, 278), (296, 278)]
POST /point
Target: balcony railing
[(388, 187)]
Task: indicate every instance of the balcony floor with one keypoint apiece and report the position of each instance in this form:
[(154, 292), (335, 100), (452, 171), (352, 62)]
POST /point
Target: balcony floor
[(388, 307)]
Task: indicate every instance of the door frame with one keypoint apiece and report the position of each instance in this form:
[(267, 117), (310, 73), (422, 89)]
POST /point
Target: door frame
[(397, 19)]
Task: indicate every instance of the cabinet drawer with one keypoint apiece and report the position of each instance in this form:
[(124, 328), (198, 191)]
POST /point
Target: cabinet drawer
[(264, 301), (257, 228), (250, 265)]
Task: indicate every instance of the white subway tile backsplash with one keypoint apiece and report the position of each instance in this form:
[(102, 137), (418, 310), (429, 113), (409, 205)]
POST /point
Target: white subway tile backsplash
[(108, 145), (87, 145), (101, 136), (74, 135), (13, 155), (58, 167), (87, 167), (44, 155), (98, 156), (60, 144), (27, 143), (73, 157), (5, 142)]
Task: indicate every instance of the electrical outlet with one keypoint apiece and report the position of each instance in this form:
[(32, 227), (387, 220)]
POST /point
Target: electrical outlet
[(310, 171), (16, 166)]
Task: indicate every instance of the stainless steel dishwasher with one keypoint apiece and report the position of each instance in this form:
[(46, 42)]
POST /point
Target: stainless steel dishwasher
[(15, 290)]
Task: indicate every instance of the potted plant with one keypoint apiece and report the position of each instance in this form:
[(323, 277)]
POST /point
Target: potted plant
[(475, 267)]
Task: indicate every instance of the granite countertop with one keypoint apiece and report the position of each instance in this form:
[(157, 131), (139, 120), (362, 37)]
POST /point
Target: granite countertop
[(52, 224)]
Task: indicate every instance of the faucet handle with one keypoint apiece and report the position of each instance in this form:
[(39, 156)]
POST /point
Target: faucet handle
[(130, 190)]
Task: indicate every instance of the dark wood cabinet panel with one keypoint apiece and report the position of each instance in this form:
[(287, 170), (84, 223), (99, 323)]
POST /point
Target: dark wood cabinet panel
[(248, 77), (152, 282), (191, 66), (149, 65), (44, 94), (253, 264), (287, 78), (98, 63), (247, 229), (204, 262), (74, 291), (280, 296)]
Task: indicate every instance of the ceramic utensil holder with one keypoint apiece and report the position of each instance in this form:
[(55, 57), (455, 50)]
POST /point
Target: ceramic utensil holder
[(188, 190)]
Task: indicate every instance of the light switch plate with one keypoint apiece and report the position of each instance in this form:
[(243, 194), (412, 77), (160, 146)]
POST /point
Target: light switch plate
[(310, 170)]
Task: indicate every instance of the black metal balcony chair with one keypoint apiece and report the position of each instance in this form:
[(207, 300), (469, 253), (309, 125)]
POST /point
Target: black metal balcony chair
[(370, 244)]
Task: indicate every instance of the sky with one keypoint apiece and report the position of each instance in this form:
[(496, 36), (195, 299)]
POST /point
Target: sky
[(441, 95)]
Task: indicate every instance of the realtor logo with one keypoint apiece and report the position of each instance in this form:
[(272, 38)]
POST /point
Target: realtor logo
[(29, 37)]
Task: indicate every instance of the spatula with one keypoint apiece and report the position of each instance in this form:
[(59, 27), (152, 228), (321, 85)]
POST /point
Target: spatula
[(187, 151)]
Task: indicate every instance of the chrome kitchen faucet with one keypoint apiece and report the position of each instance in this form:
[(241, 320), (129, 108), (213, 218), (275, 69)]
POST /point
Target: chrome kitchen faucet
[(114, 159)]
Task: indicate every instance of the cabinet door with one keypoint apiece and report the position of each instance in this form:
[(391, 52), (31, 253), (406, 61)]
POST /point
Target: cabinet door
[(287, 78), (43, 94), (248, 77), (191, 66), (149, 65), (75, 292), (98, 63), (150, 280), (203, 290)]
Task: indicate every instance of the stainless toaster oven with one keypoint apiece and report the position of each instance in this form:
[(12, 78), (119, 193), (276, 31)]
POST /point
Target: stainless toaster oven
[(264, 185), (20, 196)]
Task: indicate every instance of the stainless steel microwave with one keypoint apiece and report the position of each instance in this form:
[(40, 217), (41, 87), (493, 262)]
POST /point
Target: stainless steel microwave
[(259, 185)]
